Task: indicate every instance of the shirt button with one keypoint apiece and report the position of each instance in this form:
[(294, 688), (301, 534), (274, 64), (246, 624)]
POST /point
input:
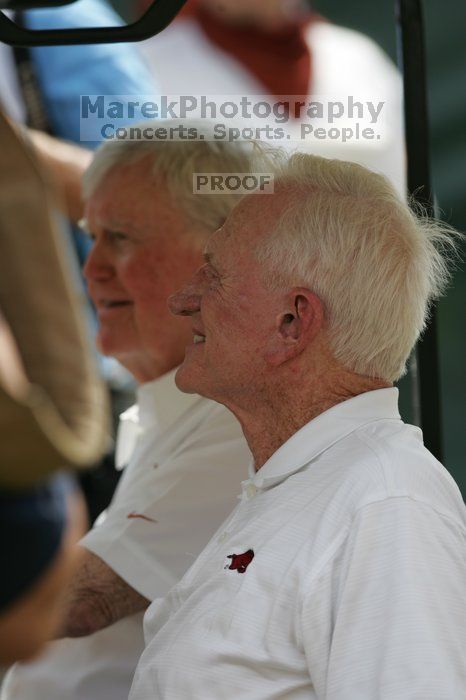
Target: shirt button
[(223, 537), (251, 490)]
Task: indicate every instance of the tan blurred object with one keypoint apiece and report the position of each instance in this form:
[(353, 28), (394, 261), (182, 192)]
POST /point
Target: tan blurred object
[(56, 414), (65, 164), (12, 375)]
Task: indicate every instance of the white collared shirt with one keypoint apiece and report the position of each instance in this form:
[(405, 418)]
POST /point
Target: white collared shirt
[(341, 575), (186, 457)]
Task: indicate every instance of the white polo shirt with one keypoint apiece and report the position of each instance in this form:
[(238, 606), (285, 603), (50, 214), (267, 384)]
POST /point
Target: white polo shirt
[(341, 575), (186, 457)]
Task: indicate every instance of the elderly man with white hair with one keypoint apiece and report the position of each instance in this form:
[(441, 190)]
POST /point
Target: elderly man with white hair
[(184, 456), (341, 573)]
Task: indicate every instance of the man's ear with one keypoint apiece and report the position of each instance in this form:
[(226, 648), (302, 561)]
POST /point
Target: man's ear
[(296, 326)]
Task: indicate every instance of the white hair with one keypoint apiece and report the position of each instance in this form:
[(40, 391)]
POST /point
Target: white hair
[(375, 264), (175, 160)]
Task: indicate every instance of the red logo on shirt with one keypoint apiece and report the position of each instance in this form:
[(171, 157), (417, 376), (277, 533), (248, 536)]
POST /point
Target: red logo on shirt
[(240, 562), (140, 515)]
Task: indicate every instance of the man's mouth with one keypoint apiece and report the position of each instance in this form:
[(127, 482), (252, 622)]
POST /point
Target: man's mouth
[(112, 304), (108, 308), (198, 337)]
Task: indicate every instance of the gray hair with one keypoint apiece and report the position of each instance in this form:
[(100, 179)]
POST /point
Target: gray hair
[(376, 265), (175, 160)]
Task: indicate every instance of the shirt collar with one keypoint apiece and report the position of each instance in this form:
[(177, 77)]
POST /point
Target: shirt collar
[(324, 431), (160, 404)]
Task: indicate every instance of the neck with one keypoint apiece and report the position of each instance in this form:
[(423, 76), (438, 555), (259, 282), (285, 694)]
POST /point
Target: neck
[(143, 367), (277, 416)]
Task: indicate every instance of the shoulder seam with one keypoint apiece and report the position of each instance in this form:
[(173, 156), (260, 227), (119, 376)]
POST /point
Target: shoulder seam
[(339, 540), (442, 514), (375, 448)]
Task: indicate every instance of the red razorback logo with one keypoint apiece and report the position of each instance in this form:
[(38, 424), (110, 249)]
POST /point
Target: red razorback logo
[(240, 562)]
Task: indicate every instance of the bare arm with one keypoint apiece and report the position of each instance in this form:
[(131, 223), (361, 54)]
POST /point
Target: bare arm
[(97, 597), (66, 163)]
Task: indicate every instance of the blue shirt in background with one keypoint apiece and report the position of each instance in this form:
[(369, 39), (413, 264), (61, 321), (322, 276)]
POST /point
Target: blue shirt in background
[(66, 72)]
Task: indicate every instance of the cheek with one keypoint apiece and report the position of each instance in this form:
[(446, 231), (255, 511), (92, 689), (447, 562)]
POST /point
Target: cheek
[(141, 276), (150, 278), (146, 284), (158, 273), (236, 328), (222, 323)]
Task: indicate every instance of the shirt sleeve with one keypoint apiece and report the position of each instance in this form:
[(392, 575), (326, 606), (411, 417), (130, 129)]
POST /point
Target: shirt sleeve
[(386, 618), (67, 72), (163, 517)]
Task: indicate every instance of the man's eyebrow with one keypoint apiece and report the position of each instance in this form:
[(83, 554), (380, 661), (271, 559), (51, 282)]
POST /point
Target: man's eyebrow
[(83, 226)]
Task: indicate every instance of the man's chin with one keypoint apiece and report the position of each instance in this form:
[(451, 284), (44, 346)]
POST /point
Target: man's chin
[(123, 352), (104, 344), (188, 381)]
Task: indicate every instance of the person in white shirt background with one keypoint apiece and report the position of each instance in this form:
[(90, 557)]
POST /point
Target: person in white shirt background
[(341, 572), (184, 457), (281, 48)]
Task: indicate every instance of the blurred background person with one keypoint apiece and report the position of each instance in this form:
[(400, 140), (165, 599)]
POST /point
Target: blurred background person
[(281, 48)]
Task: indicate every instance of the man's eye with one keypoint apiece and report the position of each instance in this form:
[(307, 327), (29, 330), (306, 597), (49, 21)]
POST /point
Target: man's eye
[(116, 236), (210, 272)]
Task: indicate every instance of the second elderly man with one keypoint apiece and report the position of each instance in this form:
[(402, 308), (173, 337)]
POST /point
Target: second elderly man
[(341, 573)]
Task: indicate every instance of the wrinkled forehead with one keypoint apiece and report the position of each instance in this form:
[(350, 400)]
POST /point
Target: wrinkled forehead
[(256, 214), (233, 232), (249, 222), (130, 197)]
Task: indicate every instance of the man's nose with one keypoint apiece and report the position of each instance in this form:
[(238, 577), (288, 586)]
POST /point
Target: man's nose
[(185, 302), (97, 267)]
